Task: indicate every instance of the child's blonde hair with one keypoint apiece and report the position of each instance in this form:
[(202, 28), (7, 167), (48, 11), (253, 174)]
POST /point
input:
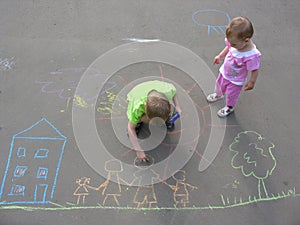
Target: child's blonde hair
[(241, 27), (158, 105)]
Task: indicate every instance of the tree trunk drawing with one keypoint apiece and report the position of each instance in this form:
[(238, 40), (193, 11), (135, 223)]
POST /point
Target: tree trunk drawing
[(262, 191)]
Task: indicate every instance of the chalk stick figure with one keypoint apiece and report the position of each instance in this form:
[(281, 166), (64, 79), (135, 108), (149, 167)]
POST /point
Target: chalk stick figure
[(181, 193), (83, 189), (110, 190), (145, 194)]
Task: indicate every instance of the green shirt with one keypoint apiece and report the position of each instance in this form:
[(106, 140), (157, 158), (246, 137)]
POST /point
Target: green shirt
[(138, 96)]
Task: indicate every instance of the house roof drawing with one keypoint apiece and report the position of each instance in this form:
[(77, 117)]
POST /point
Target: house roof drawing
[(42, 129)]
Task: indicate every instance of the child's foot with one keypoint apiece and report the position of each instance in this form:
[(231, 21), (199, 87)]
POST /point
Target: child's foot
[(214, 97), (225, 111)]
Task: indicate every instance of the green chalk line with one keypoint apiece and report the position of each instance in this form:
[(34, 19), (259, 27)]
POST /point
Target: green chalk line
[(210, 207)]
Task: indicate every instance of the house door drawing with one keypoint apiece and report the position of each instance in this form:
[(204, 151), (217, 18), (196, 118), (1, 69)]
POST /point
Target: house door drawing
[(40, 193)]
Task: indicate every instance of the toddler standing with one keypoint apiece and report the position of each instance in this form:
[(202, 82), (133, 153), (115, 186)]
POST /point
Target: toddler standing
[(241, 56)]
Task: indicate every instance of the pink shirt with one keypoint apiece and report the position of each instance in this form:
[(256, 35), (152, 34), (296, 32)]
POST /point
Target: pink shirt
[(237, 64)]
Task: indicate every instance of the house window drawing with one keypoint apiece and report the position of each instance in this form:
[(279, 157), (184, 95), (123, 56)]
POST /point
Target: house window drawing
[(17, 190), (33, 165), (42, 173), (41, 153), (20, 171), (21, 152)]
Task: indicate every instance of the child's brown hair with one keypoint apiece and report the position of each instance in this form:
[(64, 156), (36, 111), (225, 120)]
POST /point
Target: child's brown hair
[(240, 26), (157, 105)]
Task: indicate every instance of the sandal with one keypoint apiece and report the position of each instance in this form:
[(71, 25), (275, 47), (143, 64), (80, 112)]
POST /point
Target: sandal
[(225, 111), (214, 97)]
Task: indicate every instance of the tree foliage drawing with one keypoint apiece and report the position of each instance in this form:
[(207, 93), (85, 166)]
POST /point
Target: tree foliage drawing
[(254, 157)]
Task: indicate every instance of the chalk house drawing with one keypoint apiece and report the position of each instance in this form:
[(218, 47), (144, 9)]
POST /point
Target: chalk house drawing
[(33, 165)]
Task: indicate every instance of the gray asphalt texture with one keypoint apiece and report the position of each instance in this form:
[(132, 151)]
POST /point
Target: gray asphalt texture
[(45, 47)]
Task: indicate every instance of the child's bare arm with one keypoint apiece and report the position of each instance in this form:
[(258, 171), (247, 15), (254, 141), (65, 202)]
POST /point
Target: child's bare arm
[(177, 106), (221, 55), (250, 84), (136, 146)]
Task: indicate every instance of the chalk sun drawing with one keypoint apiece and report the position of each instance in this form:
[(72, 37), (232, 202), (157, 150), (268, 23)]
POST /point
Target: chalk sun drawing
[(214, 20)]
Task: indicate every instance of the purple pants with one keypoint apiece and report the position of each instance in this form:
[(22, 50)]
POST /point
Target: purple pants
[(230, 90)]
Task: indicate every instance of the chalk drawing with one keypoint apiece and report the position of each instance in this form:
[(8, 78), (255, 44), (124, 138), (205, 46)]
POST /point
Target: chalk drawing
[(233, 184), (145, 195), (113, 167), (104, 104), (181, 193), (43, 160), (214, 20), (79, 101), (107, 100), (63, 83), (7, 63), (253, 156), (139, 40), (67, 106), (82, 190)]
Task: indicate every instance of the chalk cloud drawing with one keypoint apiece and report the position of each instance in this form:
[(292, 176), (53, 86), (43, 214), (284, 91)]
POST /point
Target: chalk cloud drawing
[(214, 20), (33, 165), (63, 83)]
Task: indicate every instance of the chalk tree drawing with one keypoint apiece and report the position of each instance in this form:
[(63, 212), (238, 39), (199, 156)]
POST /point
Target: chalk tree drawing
[(33, 165), (253, 156), (213, 19)]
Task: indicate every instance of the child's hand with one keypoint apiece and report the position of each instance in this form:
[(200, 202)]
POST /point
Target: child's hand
[(249, 85), (217, 59), (141, 156)]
